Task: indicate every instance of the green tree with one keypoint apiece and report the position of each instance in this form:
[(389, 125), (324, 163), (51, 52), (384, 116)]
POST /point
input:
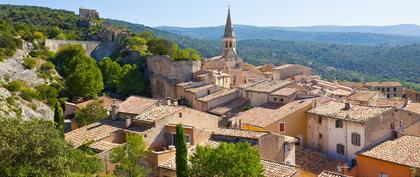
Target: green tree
[(111, 72), (93, 112), (59, 119), (133, 81), (128, 157), (85, 78), (35, 148), (227, 159), (181, 152), (64, 57)]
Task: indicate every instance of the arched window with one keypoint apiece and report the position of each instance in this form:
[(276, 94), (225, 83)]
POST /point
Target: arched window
[(230, 45), (226, 45)]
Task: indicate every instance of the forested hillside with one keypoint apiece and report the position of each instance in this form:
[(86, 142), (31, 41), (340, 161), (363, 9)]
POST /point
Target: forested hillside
[(245, 32)]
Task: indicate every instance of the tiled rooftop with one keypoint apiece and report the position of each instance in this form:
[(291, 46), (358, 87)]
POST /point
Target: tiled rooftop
[(326, 173), (413, 107), (276, 169), (383, 84), (106, 102), (285, 92), (197, 89), (270, 113), (269, 86), (93, 132), (218, 94), (290, 65), (103, 146), (158, 112), (362, 95), (315, 162), (229, 106), (239, 133), (404, 151), (137, 104), (390, 102), (356, 113), (252, 83)]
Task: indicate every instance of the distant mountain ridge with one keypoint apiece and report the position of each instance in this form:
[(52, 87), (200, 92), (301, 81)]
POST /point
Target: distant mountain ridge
[(333, 34)]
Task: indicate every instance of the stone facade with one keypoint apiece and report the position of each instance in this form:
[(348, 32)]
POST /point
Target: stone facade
[(165, 74), (88, 13)]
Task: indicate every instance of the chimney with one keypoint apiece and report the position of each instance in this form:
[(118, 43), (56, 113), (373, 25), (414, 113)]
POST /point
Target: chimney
[(347, 105), (406, 102), (127, 122), (168, 101), (114, 109)]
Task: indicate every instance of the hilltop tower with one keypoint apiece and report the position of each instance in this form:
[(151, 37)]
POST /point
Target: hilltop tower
[(229, 41)]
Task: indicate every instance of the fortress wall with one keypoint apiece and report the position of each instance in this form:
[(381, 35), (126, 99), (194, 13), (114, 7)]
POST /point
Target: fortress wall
[(164, 74)]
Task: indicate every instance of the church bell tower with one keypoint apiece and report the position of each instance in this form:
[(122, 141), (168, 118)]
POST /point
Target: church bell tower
[(229, 40)]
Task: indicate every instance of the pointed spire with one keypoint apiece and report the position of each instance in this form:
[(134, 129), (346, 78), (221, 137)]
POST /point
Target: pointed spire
[(229, 28)]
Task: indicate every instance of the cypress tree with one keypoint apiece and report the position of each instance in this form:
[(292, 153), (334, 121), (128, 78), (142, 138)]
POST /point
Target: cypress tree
[(59, 119), (181, 152)]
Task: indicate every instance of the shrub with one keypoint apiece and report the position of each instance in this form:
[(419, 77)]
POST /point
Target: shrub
[(29, 94), (16, 85), (47, 66), (29, 62)]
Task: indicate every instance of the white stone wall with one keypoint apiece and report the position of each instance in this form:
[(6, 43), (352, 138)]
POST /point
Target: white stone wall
[(257, 98), (343, 136)]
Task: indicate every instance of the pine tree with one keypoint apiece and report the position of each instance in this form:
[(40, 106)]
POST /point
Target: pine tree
[(181, 152), (59, 119)]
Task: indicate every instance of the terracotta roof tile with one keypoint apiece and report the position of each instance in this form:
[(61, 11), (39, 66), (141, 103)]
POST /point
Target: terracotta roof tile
[(413, 107), (356, 113), (137, 104), (315, 162), (383, 84), (269, 86), (93, 132), (158, 112), (270, 113), (363, 95), (103, 145), (404, 150), (106, 102), (218, 94), (239, 133), (276, 169), (285, 92), (326, 173)]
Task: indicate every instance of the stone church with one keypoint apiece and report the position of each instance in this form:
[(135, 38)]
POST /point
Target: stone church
[(230, 62)]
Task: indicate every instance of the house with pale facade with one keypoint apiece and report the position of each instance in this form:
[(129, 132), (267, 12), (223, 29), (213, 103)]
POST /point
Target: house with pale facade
[(340, 130), (290, 70), (289, 119), (259, 92), (389, 89)]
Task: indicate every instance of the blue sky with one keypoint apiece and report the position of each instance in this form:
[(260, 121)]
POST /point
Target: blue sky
[(193, 13)]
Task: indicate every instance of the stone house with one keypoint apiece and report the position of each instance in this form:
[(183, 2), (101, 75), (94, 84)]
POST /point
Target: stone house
[(393, 158), (284, 95), (88, 13), (290, 70), (215, 99), (71, 108), (364, 98), (389, 89), (411, 94), (341, 129), (259, 93), (289, 119)]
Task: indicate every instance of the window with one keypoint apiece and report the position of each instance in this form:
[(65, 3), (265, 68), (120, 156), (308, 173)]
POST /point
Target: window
[(338, 123), (172, 139), (208, 92), (355, 139), (395, 95), (275, 98), (340, 149), (392, 125), (320, 135), (282, 127), (230, 45), (226, 44), (281, 99), (387, 89), (383, 175), (395, 89), (287, 147), (319, 119), (180, 115), (383, 89), (387, 96)]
